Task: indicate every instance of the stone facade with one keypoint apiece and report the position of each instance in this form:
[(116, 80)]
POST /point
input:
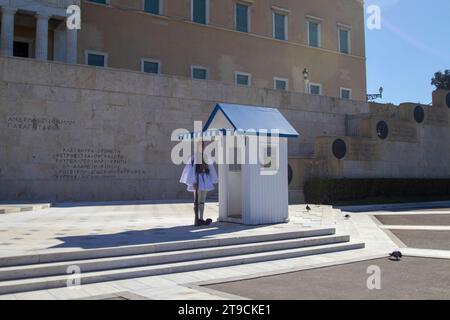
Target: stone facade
[(406, 141), (72, 133), (125, 34), (39, 28), (173, 39)]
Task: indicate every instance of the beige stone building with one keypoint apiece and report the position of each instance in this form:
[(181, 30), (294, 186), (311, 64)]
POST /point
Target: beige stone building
[(259, 43), (77, 133)]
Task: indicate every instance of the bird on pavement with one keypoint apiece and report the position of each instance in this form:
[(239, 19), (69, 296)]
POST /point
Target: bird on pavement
[(396, 256), (308, 208), (347, 216)]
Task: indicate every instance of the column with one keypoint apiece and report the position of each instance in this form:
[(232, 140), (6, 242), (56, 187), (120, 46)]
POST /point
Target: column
[(42, 36), (71, 46), (7, 35)]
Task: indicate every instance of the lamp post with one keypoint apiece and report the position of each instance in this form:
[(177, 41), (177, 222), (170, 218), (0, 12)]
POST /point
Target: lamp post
[(306, 79), (373, 97)]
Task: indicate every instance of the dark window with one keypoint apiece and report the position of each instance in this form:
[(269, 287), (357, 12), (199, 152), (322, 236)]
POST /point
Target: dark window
[(280, 26), (21, 49), (344, 41), (199, 73), (346, 94), (199, 8), (98, 1), (242, 79), (281, 85), (151, 67), (314, 89), (241, 17), (97, 60), (152, 6), (314, 34)]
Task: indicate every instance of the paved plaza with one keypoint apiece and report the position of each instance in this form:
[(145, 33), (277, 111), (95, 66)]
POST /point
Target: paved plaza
[(69, 227), (422, 234), (75, 227), (411, 278)]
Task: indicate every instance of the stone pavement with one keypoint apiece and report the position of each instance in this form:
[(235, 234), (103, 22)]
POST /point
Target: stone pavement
[(68, 228), (22, 207), (86, 226), (423, 232), (412, 278)]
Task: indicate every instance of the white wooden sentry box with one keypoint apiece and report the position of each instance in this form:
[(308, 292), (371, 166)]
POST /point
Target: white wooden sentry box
[(248, 194)]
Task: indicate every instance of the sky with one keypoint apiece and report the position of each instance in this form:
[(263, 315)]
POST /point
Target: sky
[(412, 44)]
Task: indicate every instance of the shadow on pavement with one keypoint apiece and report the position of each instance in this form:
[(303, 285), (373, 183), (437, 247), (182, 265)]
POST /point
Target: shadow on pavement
[(151, 236), (118, 203)]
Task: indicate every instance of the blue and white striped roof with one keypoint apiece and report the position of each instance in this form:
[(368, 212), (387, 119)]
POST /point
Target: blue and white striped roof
[(259, 119), (246, 120)]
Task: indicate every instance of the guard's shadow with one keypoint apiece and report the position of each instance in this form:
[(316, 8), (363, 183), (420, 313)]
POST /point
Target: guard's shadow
[(151, 236)]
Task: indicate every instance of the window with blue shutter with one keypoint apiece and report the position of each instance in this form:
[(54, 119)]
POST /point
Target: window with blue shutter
[(242, 79), (151, 67), (281, 84), (344, 41), (97, 60), (313, 34), (199, 73), (279, 21), (314, 89), (346, 94), (199, 8), (241, 17), (98, 1), (152, 6)]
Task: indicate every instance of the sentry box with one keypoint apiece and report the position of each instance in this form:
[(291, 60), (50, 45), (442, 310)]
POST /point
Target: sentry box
[(250, 149)]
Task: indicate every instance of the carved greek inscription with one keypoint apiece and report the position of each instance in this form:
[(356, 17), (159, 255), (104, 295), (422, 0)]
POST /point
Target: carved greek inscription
[(90, 163), (37, 123)]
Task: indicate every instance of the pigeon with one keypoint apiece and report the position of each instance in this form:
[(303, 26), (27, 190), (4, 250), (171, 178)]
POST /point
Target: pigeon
[(308, 208), (347, 216), (396, 256)]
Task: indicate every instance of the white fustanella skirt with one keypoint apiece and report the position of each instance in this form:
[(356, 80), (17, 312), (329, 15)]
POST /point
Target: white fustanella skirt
[(206, 180)]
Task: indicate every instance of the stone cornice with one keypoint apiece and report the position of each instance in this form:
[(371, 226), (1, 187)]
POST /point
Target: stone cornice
[(56, 8)]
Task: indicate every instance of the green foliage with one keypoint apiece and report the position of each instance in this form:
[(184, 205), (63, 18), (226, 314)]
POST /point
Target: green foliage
[(332, 191), (441, 80)]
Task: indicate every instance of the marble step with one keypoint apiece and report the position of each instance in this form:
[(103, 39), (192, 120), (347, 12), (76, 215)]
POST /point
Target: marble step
[(109, 263), (15, 208), (63, 256), (57, 281)]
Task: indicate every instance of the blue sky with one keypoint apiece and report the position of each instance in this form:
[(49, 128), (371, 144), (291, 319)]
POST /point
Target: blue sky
[(413, 43)]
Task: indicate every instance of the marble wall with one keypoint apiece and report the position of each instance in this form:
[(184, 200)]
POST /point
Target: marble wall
[(406, 141), (72, 133), (78, 133)]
